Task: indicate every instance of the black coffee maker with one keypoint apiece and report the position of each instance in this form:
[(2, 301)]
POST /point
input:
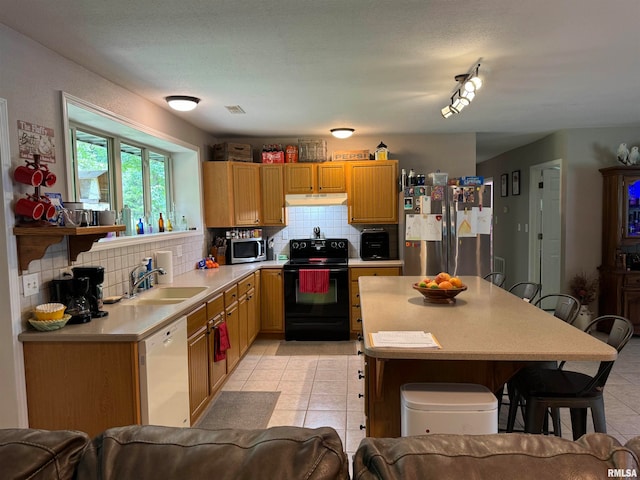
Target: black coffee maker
[(94, 295), (73, 292)]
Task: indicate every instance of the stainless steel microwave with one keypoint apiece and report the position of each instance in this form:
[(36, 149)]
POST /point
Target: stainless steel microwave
[(245, 250)]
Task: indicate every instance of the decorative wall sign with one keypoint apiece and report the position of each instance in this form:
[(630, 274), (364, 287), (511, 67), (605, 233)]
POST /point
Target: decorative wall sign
[(515, 183), (36, 139), (504, 185)]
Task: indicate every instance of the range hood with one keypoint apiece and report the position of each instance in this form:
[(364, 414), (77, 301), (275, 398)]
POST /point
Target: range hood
[(315, 199)]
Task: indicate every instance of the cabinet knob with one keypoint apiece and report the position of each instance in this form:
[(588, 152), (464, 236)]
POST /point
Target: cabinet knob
[(359, 320), (360, 395), (359, 352), (362, 427), (360, 377)]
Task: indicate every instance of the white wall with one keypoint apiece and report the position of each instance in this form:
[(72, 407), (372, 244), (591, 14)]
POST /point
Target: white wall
[(31, 80), (583, 152)]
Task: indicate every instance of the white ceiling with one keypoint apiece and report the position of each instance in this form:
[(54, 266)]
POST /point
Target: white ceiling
[(301, 67)]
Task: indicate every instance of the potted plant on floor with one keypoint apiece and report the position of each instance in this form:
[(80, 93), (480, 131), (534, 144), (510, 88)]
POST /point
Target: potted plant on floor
[(585, 288)]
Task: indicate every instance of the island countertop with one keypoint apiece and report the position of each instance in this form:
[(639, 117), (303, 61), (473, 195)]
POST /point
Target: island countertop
[(485, 323)]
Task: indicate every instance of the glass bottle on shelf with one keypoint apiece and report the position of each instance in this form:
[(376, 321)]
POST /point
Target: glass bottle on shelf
[(160, 223)]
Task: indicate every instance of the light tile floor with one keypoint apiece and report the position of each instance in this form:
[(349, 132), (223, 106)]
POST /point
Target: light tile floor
[(326, 391)]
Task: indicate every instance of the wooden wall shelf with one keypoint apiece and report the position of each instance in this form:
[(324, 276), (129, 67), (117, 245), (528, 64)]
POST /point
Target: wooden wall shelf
[(33, 241)]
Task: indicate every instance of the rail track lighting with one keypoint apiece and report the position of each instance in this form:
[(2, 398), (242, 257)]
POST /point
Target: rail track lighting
[(468, 84)]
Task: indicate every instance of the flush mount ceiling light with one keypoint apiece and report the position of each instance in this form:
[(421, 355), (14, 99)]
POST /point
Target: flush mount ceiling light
[(342, 132), (468, 84), (182, 103)]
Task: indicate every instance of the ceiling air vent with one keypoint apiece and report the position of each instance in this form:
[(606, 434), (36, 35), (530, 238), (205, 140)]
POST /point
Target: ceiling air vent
[(235, 109)]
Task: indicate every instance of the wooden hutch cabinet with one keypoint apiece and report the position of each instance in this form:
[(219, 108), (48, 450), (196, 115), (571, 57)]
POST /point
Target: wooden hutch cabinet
[(620, 269)]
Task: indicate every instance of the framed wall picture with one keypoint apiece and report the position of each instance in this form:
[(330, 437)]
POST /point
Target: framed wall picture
[(515, 183), (504, 185)]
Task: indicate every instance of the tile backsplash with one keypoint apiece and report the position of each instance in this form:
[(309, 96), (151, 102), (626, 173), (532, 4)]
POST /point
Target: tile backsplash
[(333, 223), (117, 262)]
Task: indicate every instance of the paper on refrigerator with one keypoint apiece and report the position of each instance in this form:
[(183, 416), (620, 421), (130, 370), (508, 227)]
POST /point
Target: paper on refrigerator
[(423, 227), (483, 220)]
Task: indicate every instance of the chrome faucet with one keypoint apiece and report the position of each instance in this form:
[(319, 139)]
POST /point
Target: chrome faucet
[(135, 281)]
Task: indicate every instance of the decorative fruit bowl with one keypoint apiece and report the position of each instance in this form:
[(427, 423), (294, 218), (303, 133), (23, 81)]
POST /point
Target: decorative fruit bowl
[(439, 295)]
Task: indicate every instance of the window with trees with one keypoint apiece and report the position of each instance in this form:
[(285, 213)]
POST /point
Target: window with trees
[(111, 172)]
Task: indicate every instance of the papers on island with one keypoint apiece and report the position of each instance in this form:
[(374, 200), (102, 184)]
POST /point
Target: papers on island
[(404, 339)]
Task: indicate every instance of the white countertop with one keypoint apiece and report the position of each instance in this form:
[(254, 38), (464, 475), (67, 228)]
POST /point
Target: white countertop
[(128, 322), (485, 323)]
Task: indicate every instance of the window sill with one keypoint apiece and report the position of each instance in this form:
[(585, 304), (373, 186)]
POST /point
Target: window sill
[(118, 242)]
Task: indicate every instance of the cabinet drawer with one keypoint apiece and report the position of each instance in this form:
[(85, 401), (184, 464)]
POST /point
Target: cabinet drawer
[(231, 295), (215, 306), (374, 271), (246, 284), (632, 281), (196, 320)]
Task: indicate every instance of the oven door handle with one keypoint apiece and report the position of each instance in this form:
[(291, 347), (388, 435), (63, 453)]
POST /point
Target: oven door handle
[(331, 270)]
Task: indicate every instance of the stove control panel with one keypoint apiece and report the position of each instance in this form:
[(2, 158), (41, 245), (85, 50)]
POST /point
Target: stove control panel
[(328, 248)]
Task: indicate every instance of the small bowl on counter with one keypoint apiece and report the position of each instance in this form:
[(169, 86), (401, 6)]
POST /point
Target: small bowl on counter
[(49, 325), (49, 311)]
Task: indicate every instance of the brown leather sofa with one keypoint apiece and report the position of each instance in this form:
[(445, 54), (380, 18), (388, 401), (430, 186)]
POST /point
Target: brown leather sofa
[(156, 453), (594, 456)]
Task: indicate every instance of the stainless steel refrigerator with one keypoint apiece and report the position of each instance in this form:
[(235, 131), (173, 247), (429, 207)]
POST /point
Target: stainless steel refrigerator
[(446, 229)]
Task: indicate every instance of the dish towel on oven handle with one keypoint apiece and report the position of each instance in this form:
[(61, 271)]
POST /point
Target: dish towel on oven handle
[(221, 342), (314, 280)]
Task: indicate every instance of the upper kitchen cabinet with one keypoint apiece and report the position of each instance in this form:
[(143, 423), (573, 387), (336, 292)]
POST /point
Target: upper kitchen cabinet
[(306, 178), (372, 189), (273, 210), (231, 194)]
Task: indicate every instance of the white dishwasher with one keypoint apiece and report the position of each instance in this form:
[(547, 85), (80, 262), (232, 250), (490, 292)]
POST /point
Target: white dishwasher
[(164, 376)]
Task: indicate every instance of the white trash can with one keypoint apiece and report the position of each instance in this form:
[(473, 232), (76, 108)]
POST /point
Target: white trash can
[(447, 408)]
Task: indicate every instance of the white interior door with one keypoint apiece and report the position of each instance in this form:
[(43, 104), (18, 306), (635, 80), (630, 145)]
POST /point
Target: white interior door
[(545, 258)]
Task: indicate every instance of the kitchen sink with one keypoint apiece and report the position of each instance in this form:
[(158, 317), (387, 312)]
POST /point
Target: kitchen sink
[(154, 301), (165, 296), (173, 292)]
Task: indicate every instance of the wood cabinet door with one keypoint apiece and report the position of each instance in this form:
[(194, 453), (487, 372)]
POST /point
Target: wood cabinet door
[(217, 194), (272, 300), (372, 190), (217, 370), (68, 382), (253, 325), (299, 178), (233, 353), (631, 308), (198, 349), (246, 194), (273, 209), (243, 324), (354, 274), (331, 178)]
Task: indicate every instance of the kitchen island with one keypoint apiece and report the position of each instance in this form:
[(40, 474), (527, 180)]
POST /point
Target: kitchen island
[(487, 335)]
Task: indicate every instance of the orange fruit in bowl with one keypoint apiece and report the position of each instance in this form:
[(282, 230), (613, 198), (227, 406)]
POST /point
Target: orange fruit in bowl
[(441, 277), (456, 282), (445, 285)]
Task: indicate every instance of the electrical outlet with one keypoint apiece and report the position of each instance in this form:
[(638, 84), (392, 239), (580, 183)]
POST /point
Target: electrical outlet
[(30, 284), (285, 234), (179, 251)]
